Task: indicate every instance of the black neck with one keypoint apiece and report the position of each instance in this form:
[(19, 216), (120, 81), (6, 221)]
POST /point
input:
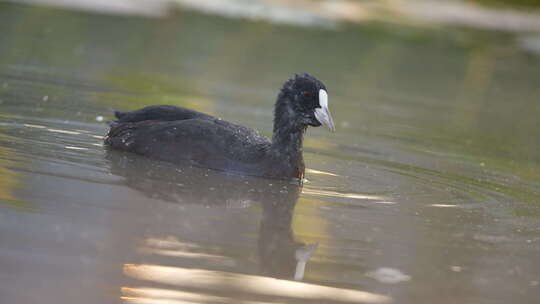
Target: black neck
[(288, 134)]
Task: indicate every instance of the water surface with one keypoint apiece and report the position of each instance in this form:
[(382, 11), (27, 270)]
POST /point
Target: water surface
[(429, 192)]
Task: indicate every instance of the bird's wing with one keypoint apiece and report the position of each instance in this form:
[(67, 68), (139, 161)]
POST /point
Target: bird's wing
[(209, 142)]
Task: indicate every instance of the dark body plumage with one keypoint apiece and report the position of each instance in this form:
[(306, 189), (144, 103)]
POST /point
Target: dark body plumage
[(176, 134)]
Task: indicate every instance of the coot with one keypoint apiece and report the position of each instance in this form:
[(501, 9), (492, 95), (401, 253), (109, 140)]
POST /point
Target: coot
[(176, 134)]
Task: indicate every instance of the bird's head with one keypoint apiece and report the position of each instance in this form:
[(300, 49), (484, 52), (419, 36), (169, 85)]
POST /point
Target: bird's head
[(308, 98)]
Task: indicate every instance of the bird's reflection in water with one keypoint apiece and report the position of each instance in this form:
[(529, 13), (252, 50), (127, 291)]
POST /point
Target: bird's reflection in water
[(279, 254)]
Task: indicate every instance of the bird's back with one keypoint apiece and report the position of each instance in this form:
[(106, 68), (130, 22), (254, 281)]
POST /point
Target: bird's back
[(199, 138), (161, 113)]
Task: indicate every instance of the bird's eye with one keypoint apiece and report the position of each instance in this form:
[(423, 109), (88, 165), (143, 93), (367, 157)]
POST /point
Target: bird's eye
[(307, 94)]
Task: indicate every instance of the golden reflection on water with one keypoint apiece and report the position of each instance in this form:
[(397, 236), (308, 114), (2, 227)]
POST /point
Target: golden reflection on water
[(171, 246), (9, 179), (329, 193), (177, 253), (170, 243), (34, 126), (63, 131), (160, 295), (167, 296), (444, 205), (75, 148), (175, 248), (235, 283), (313, 171)]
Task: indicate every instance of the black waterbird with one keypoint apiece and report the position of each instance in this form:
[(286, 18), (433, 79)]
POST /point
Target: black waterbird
[(176, 134)]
